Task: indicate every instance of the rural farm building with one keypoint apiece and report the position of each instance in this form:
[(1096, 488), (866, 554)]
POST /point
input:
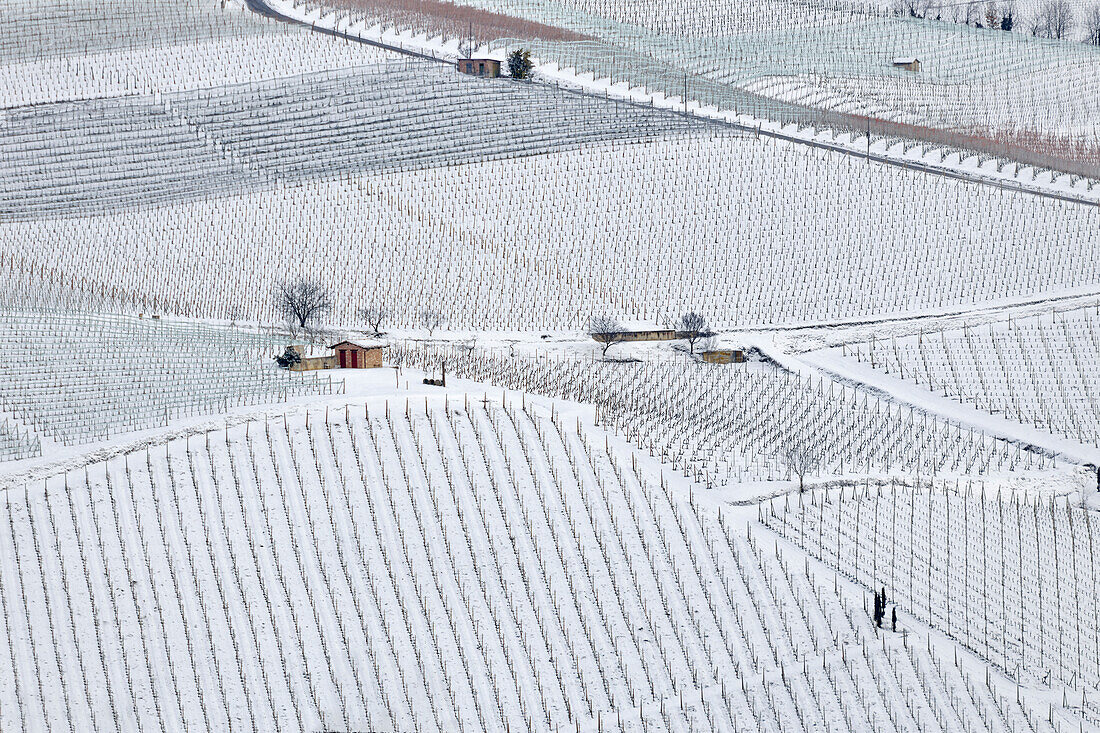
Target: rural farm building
[(479, 67), (655, 334), (304, 362), (724, 356), (313, 363), (661, 334), (909, 63), (359, 354)]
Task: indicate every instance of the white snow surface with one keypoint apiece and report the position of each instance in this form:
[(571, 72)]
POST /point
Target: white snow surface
[(463, 561)]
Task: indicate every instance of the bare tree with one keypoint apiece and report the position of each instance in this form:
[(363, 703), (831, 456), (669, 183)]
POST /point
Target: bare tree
[(1053, 19), (802, 460), (1008, 15), (302, 302), (911, 8), (374, 315), (1091, 25), (1061, 19), (605, 330), (967, 13), (431, 319), (692, 327), (1036, 26)]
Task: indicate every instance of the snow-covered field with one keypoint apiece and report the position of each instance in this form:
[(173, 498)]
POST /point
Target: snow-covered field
[(60, 50), (453, 564), (839, 54), (176, 68), (193, 539), (748, 231), (91, 157), (727, 427), (1011, 575), (78, 378), (1039, 370)]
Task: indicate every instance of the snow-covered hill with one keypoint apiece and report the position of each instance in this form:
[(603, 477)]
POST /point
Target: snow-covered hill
[(448, 564)]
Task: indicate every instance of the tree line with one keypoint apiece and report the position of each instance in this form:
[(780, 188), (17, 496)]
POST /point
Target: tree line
[(1054, 19), (304, 303)]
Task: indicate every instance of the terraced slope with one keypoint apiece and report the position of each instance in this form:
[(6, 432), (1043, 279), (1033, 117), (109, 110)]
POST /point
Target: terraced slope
[(98, 155), (461, 567)]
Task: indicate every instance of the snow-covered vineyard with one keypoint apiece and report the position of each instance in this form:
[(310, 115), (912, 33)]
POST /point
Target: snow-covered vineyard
[(79, 379), (801, 243), (577, 367), (443, 565), (1011, 576), (1040, 370), (723, 427), (834, 66), (95, 156)]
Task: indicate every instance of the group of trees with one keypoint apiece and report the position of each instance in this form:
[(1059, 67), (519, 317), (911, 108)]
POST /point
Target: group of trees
[(304, 303), (979, 13), (1091, 25), (606, 331), (1054, 19), (878, 615)]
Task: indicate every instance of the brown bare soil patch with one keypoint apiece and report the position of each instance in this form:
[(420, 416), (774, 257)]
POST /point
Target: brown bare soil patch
[(456, 21)]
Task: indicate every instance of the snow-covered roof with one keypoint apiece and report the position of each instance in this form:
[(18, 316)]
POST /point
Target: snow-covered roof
[(900, 60), (363, 343)]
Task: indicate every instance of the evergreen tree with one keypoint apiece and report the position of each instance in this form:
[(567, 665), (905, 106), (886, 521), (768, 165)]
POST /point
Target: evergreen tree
[(520, 64)]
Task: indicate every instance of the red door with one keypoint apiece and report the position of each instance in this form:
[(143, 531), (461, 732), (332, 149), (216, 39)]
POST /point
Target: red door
[(354, 359), (342, 354)]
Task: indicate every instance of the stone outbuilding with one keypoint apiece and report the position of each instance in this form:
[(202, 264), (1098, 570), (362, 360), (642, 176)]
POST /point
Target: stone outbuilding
[(359, 354), (489, 68), (724, 356), (909, 63)]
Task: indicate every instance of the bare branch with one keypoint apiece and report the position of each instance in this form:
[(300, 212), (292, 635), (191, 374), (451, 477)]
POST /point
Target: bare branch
[(1091, 25), (431, 319), (802, 460), (374, 315), (692, 327), (302, 302), (605, 330)]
